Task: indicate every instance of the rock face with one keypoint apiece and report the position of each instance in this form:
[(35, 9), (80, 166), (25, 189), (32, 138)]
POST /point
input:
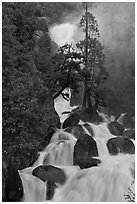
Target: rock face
[(50, 173), (13, 185), (72, 120), (129, 134), (120, 145), (115, 128), (84, 151)]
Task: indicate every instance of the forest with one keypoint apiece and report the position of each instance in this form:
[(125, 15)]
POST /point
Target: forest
[(35, 71)]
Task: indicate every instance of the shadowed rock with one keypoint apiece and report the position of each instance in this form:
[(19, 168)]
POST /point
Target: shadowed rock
[(50, 173), (84, 151), (115, 128), (89, 128), (120, 145), (78, 131), (72, 120)]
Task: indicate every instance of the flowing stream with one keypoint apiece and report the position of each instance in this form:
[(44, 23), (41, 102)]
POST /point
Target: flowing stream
[(107, 182)]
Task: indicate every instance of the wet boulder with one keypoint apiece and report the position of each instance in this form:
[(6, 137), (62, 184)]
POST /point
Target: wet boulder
[(13, 184), (78, 131), (84, 151), (128, 121), (72, 120), (89, 163), (50, 173), (120, 145), (89, 128), (115, 128), (87, 115), (129, 134)]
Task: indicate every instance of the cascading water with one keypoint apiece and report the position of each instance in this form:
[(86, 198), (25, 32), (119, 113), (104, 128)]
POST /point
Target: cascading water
[(106, 183), (109, 181)]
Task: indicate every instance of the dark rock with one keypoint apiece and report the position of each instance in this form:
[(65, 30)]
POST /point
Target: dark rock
[(89, 163), (50, 189), (120, 145), (78, 131), (87, 115), (72, 120), (129, 134), (50, 173), (128, 121), (89, 128), (115, 128), (13, 184), (84, 151)]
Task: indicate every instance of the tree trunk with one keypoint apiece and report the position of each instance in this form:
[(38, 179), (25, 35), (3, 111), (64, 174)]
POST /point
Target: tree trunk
[(84, 96)]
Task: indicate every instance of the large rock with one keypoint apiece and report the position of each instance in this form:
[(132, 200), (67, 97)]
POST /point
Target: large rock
[(129, 134), (89, 128), (115, 128), (87, 115), (78, 131), (128, 121), (72, 120), (50, 173), (120, 145), (84, 151), (13, 185)]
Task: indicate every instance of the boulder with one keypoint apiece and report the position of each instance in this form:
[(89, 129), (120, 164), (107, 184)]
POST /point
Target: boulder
[(50, 189), (13, 184), (89, 128), (72, 120), (129, 134), (84, 151), (128, 121), (50, 173), (87, 116), (120, 145), (115, 128), (89, 163), (78, 131)]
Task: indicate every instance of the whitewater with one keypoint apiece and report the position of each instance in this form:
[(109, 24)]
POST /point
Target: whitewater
[(110, 181), (107, 182)]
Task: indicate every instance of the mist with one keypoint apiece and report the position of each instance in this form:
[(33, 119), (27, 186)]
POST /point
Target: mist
[(116, 23)]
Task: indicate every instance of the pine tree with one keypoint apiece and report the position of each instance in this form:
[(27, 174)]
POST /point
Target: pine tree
[(92, 49)]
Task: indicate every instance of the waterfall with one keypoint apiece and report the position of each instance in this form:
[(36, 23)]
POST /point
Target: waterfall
[(34, 188), (63, 33), (107, 182)]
